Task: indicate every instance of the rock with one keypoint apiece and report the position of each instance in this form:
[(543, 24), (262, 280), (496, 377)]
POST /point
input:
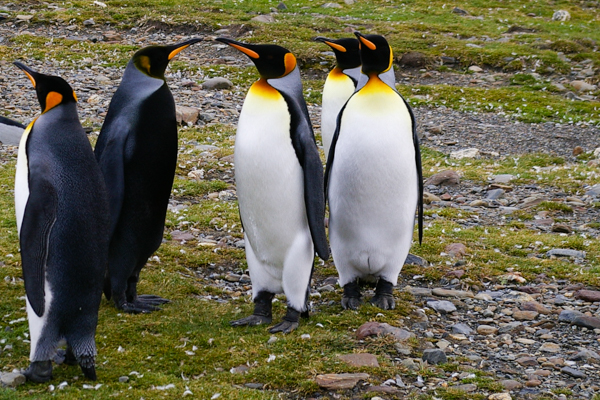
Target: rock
[(340, 381), (467, 387), (418, 291), (184, 114), (565, 253), (502, 178), (179, 235), (24, 17), (428, 198), (267, 18), (360, 359), (520, 315), (442, 306), (456, 250), (461, 328), (475, 68), (587, 322), (587, 295), (561, 15), (411, 259), (486, 330), (459, 11), (465, 153), (586, 355), (510, 384), (494, 194), (533, 383), (414, 59), (461, 294), (583, 86), (527, 361), (377, 329), (89, 22), (575, 373), (434, 356), (499, 396), (479, 203), (594, 190), (242, 369), (331, 5), (534, 306), (569, 315), (12, 379), (281, 6), (550, 347), (561, 228), (124, 379), (217, 83), (577, 151), (446, 178)]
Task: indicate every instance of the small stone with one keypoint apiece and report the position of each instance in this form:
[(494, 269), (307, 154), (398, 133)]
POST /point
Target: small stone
[(434, 356), (267, 18), (525, 341), (444, 178), (583, 86), (494, 194), (587, 295), (520, 315), (486, 330), (428, 198), (561, 228), (442, 306), (360, 359), (510, 384), (533, 383), (281, 6), (331, 5), (123, 379), (565, 253), (550, 347), (184, 114), (587, 322), (534, 306), (575, 373), (578, 150), (24, 17), (340, 381), (414, 59), (377, 328), (543, 372), (527, 361), (456, 250), (89, 22), (409, 364), (411, 259), (217, 83), (12, 379), (467, 387), (475, 68), (561, 15), (257, 386), (499, 396), (461, 294), (242, 369), (569, 315), (461, 328), (502, 178), (585, 355), (459, 11), (479, 203), (465, 153)]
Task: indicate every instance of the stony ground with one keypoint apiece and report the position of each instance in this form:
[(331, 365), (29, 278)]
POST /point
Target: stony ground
[(542, 339)]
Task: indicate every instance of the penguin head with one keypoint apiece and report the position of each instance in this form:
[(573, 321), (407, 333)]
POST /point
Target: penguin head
[(271, 61), (51, 90), (153, 60), (346, 51), (375, 53)]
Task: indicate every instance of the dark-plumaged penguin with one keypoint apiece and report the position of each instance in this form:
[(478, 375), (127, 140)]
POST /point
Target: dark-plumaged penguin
[(279, 176), (340, 84), (373, 181), (137, 152), (63, 222), (10, 131)]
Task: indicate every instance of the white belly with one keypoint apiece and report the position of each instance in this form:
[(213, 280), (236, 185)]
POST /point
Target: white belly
[(335, 94), (22, 178), (373, 188), (269, 179)]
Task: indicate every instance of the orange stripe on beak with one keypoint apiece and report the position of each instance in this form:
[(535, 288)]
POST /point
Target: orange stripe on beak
[(367, 43), (336, 46)]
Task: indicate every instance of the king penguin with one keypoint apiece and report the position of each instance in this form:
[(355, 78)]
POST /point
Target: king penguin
[(373, 181), (340, 84), (63, 222), (137, 153), (279, 181)]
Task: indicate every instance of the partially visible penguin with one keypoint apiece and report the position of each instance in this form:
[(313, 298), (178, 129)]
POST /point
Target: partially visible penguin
[(279, 182), (137, 153), (373, 181), (63, 223), (10, 131), (339, 85)]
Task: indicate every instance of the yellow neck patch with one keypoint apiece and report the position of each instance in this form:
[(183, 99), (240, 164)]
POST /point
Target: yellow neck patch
[(289, 62), (52, 100), (145, 63), (263, 89)]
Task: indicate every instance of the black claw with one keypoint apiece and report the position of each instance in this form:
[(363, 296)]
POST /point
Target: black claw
[(89, 372), (252, 320), (384, 297), (39, 371), (70, 358), (352, 297), (284, 327)]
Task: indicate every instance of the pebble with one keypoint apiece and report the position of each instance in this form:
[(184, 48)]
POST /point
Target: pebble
[(575, 373), (434, 356), (340, 381), (444, 178), (587, 295), (587, 322), (462, 328), (569, 315), (499, 396), (217, 83), (360, 360), (442, 306), (487, 330), (465, 153), (565, 253), (525, 315), (12, 379), (550, 347)]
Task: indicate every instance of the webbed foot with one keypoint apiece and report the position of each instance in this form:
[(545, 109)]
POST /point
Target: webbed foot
[(289, 323), (39, 371), (152, 299), (263, 306), (384, 297), (352, 297), (252, 320)]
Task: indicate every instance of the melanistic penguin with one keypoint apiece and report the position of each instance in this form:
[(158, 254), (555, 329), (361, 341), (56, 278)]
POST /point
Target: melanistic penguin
[(63, 223), (137, 153), (279, 177), (10, 131), (373, 181), (340, 84)]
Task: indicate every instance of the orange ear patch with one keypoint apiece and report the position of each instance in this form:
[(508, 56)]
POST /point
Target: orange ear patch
[(145, 63), (248, 52), (290, 63), (52, 100)]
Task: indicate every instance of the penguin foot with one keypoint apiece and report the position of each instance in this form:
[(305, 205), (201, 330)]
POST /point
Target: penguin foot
[(88, 367), (252, 320), (70, 358), (352, 297), (289, 323), (384, 297), (137, 307), (39, 371), (152, 299), (59, 357)]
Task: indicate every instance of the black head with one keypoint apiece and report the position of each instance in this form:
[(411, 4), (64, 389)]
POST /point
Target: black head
[(375, 53), (272, 61), (51, 90), (153, 60), (346, 51)]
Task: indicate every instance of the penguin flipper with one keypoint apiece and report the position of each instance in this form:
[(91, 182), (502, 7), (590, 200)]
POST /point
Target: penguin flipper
[(305, 146), (10, 122), (419, 169), (38, 220), (331, 154)]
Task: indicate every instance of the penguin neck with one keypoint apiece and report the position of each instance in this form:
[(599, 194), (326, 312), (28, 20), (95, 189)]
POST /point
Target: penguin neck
[(264, 89), (132, 73)]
